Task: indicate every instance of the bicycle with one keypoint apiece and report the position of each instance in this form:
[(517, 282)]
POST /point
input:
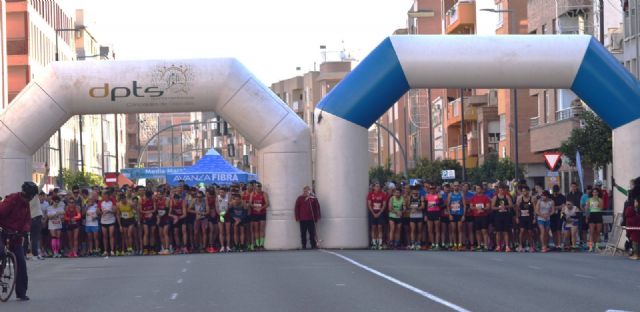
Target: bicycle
[(8, 266)]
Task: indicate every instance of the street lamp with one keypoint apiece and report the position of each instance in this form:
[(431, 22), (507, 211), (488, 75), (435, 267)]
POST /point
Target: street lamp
[(514, 92), (57, 58)]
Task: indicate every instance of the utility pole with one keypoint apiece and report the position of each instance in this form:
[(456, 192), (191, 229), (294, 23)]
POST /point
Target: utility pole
[(463, 136), (601, 11)]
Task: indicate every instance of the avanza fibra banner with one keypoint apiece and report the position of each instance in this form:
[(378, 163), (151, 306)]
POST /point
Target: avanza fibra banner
[(221, 178)]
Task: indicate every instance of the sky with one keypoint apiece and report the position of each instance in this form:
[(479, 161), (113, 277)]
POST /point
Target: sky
[(270, 37)]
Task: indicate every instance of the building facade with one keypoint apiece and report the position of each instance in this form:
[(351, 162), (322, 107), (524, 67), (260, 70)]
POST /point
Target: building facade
[(631, 36), (91, 143)]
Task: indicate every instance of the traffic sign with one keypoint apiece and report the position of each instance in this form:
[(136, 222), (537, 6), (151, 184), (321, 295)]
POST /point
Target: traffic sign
[(448, 174), (553, 160)]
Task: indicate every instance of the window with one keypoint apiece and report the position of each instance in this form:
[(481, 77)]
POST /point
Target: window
[(503, 127), (493, 137), (545, 104), (456, 109), (500, 15), (544, 29)]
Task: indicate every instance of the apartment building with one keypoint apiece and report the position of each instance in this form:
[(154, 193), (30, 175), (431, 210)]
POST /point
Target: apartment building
[(90, 143), (631, 36), (557, 109)]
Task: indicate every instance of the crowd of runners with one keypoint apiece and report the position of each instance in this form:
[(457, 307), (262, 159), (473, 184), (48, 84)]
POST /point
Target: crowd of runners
[(501, 217), (163, 220)]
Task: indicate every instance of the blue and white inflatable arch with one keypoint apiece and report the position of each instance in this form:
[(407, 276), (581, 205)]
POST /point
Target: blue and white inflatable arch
[(400, 63)]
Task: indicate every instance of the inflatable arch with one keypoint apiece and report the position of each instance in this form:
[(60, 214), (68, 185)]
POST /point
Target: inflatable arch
[(221, 85), (399, 63)]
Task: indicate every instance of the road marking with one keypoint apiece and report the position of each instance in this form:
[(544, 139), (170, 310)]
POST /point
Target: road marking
[(138, 296), (184, 270), (340, 285), (188, 261), (497, 259), (174, 296), (535, 267), (401, 283), (616, 310), (584, 276), (180, 281)]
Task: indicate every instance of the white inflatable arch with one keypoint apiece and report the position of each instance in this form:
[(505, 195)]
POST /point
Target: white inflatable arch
[(399, 63), (220, 85)]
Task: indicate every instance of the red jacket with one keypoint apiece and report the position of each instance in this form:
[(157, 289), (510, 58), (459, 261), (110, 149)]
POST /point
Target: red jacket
[(15, 214), (304, 206), (632, 220)]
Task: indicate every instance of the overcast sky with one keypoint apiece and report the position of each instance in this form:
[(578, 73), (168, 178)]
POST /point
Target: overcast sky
[(271, 38)]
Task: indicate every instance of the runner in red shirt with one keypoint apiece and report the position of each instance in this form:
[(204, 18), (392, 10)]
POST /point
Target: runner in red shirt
[(433, 204), (246, 201), (480, 205), (212, 201), (259, 204), (147, 212), (376, 203)]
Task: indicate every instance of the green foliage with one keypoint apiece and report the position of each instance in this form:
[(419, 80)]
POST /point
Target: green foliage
[(383, 174), (72, 178), (593, 141), (494, 169), (432, 171)]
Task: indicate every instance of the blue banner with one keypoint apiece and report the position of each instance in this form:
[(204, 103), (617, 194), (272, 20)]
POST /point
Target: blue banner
[(150, 173), (194, 178)]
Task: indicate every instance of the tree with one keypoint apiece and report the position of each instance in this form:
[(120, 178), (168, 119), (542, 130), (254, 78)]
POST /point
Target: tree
[(382, 174), (593, 141), (494, 169), (432, 171), (79, 178)]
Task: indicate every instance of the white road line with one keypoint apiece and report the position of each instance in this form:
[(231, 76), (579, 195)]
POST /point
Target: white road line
[(584, 276), (174, 296), (616, 310), (534, 267), (180, 281), (184, 270), (401, 283), (497, 259), (188, 261)]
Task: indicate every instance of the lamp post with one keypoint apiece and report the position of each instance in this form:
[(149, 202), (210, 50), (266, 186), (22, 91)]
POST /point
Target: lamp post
[(404, 153), (57, 58), (514, 93)]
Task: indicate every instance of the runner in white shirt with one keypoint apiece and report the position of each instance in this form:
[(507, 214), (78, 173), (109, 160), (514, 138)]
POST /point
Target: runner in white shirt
[(92, 225), (225, 226), (108, 209), (55, 215)]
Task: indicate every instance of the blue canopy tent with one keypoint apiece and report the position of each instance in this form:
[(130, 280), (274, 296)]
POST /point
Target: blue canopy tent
[(212, 168)]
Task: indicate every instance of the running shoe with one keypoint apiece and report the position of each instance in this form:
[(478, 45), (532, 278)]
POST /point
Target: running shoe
[(498, 249), (507, 249), (105, 254)]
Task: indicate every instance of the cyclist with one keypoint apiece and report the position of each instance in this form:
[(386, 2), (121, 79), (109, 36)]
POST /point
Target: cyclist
[(15, 216)]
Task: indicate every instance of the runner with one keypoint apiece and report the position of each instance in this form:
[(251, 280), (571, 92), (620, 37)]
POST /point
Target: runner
[(72, 218), (444, 216), (238, 216), (225, 221), (416, 216), (164, 222), (396, 209), (147, 212), (544, 209), (433, 204), (573, 197), (525, 211), (556, 221), (107, 207), (468, 216), (55, 214), (376, 203), (259, 205), (246, 201), (481, 204), (456, 207), (501, 206), (595, 205), (178, 214), (213, 219), (92, 225), (200, 208), (45, 240), (126, 222), (570, 226)]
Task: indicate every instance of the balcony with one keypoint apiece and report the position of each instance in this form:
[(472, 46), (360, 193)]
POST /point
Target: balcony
[(461, 18), (455, 153), (454, 114), (549, 136)]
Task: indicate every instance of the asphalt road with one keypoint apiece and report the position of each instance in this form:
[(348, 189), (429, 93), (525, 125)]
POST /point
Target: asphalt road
[(324, 281)]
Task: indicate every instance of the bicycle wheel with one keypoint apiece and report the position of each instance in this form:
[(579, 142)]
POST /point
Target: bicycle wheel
[(9, 271)]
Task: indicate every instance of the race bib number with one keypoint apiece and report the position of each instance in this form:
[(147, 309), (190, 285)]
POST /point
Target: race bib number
[(377, 206), (455, 207), (56, 221), (524, 213), (161, 212), (414, 206), (257, 205), (480, 206), (126, 215), (92, 215)]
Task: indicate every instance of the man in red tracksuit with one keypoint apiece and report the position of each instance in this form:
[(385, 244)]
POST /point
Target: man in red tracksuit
[(15, 218), (307, 212)]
